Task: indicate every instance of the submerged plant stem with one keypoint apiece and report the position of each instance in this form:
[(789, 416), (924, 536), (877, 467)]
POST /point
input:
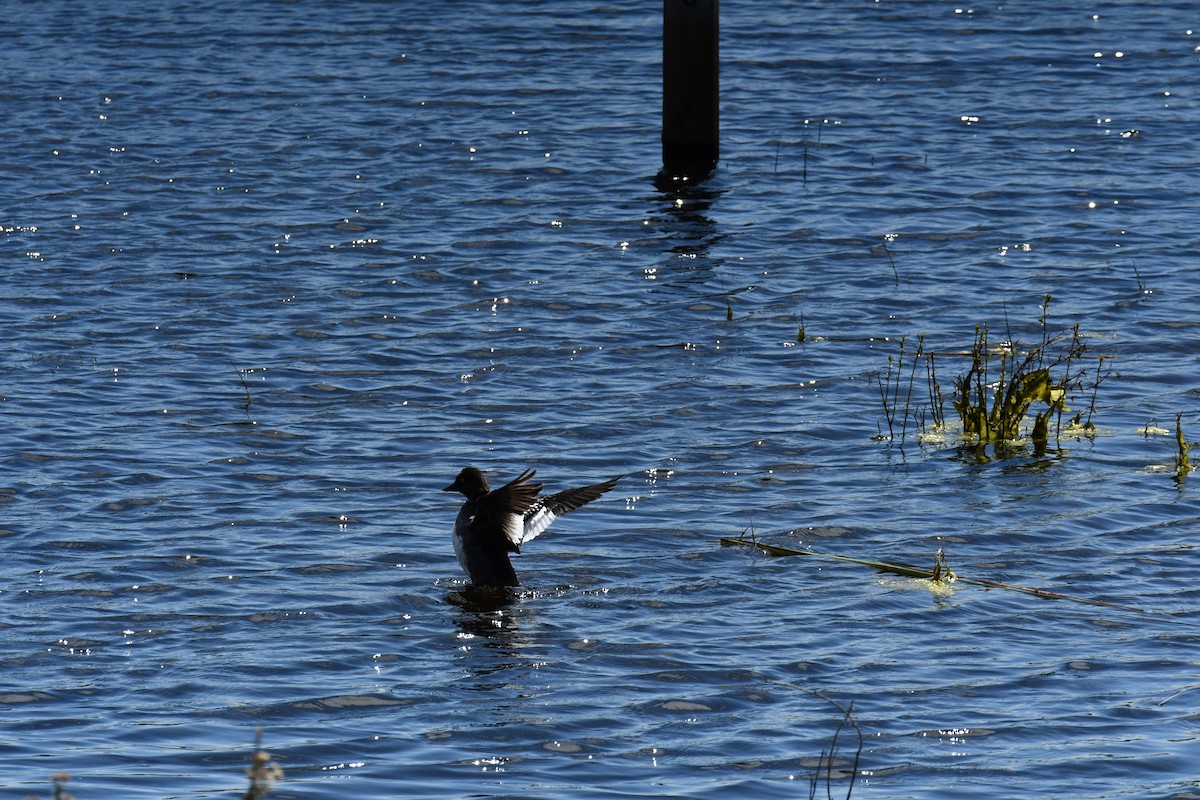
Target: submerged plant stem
[(918, 572)]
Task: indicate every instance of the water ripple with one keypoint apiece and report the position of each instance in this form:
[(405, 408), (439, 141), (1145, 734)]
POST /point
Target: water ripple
[(273, 278)]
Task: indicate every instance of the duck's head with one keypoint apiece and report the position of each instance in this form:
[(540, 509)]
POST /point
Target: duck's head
[(470, 482)]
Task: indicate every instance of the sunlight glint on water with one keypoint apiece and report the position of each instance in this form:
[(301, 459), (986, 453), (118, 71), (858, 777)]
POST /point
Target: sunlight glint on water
[(274, 275)]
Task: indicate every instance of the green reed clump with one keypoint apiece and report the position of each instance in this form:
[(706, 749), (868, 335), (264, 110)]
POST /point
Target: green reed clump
[(999, 387), (991, 406)]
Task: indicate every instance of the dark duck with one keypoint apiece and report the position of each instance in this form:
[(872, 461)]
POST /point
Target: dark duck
[(492, 524)]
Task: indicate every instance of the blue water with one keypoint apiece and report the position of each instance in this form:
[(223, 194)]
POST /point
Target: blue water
[(273, 273)]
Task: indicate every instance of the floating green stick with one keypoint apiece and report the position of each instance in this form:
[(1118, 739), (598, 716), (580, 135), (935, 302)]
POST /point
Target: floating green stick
[(939, 574)]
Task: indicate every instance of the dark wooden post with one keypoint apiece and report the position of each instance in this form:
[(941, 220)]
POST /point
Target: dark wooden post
[(691, 129)]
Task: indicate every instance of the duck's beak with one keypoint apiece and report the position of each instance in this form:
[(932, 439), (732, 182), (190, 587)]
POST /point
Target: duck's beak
[(452, 487)]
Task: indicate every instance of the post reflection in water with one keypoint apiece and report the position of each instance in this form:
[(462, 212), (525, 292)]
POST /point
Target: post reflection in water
[(687, 222)]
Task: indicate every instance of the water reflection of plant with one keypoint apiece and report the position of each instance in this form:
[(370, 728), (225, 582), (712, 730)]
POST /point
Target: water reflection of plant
[(995, 393)]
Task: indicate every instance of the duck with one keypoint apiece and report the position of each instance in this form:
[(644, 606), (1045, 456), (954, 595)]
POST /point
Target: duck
[(493, 523)]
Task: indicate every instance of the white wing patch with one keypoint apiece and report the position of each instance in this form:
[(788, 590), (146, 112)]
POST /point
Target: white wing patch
[(515, 530), (537, 518), (547, 509)]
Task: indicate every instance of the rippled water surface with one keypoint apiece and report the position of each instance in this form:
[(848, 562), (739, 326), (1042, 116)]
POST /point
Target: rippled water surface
[(274, 272)]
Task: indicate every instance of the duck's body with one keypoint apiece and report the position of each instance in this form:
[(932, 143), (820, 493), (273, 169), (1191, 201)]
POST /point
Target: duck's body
[(492, 524)]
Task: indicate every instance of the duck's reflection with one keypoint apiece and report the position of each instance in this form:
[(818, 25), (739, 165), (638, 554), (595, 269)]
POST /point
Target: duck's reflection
[(495, 627), (483, 599)]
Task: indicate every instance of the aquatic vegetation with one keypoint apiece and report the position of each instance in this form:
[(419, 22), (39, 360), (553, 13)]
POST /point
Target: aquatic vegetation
[(941, 572), (1183, 448), (993, 411), (825, 764), (1183, 464), (893, 380), (994, 396), (59, 783), (937, 579), (941, 569), (245, 388), (891, 237), (263, 773)]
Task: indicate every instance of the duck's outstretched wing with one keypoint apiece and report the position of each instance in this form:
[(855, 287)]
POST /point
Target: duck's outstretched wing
[(549, 508), (505, 508)]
